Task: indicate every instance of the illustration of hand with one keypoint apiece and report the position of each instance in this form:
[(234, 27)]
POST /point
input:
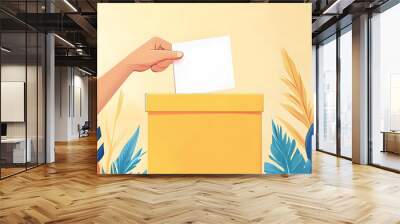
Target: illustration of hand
[(156, 54)]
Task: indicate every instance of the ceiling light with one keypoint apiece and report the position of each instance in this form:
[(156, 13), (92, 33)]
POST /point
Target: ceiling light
[(84, 71), (65, 41), (70, 5), (337, 7), (5, 50)]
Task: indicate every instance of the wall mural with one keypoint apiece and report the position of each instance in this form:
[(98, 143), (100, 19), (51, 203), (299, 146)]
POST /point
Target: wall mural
[(232, 95)]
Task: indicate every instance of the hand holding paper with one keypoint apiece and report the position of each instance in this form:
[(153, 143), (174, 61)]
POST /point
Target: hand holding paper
[(155, 54), (206, 66)]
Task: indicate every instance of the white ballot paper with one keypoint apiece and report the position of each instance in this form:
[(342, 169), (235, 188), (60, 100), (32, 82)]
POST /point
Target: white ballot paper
[(205, 67)]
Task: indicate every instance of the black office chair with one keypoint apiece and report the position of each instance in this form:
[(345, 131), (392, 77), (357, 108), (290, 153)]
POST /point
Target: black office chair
[(84, 130)]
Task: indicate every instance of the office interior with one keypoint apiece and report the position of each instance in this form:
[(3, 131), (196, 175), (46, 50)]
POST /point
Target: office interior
[(334, 75), (29, 58), (48, 81)]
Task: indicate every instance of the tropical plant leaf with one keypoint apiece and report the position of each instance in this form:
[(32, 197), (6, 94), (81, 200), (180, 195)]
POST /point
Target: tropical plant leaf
[(293, 99), (308, 167), (285, 154), (295, 134), (127, 159), (109, 148), (117, 113), (295, 113), (270, 168), (119, 105), (114, 169), (100, 152), (309, 135), (98, 133), (297, 164), (301, 109)]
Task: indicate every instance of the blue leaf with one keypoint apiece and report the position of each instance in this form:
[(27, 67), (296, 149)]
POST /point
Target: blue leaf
[(98, 133), (309, 136), (100, 152), (298, 165), (308, 166), (271, 169), (114, 169), (127, 160), (285, 154)]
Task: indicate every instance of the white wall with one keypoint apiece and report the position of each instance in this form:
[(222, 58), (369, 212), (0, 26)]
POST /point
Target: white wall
[(71, 94), (61, 103)]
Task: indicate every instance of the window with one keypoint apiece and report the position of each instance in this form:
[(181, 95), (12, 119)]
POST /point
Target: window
[(346, 93), (385, 89), (394, 101), (327, 96), (334, 62)]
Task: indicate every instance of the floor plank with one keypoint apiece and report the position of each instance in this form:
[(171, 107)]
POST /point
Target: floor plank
[(69, 191)]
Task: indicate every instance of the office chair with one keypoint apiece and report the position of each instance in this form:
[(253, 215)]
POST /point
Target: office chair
[(84, 130)]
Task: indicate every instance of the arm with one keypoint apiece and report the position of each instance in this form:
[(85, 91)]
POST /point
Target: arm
[(155, 54)]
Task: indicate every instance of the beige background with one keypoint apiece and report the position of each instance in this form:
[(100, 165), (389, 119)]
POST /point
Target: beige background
[(258, 34)]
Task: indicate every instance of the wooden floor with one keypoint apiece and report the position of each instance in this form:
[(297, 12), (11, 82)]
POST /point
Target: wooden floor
[(5, 172), (69, 191)]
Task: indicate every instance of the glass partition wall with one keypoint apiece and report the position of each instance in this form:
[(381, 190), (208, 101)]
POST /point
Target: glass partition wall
[(334, 86), (22, 77), (13, 89)]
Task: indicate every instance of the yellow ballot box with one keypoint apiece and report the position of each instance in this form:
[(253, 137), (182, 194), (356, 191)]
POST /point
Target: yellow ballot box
[(204, 133)]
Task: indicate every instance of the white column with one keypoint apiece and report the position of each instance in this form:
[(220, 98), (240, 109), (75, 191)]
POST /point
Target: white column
[(50, 100), (360, 90)]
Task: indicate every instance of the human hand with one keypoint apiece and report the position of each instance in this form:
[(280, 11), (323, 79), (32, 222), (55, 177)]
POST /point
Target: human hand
[(156, 54)]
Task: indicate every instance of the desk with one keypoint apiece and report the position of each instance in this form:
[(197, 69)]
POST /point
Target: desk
[(391, 141), (17, 151)]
